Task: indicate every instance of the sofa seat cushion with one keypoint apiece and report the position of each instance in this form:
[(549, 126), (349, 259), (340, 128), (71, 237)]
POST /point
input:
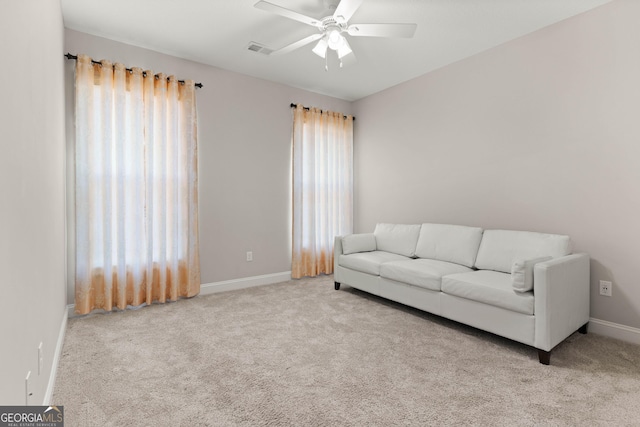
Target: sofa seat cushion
[(424, 273), (489, 287), (368, 262)]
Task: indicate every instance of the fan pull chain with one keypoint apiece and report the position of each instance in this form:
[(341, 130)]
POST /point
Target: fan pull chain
[(326, 62)]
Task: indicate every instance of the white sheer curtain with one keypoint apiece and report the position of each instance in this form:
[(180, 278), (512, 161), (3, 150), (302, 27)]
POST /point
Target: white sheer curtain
[(322, 188), (136, 187)]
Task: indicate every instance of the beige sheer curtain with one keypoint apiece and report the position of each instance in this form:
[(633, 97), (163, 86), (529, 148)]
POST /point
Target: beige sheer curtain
[(322, 188), (136, 187)]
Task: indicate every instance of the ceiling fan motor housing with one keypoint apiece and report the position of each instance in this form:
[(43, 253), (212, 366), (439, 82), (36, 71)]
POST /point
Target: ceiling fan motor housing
[(329, 23)]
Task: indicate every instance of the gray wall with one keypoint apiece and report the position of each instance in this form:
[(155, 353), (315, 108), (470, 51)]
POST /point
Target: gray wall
[(541, 134), (244, 158), (32, 246)]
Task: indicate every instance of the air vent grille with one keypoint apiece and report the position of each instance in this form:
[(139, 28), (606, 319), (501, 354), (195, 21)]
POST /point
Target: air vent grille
[(257, 47)]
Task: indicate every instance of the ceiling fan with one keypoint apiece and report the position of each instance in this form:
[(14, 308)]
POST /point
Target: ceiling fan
[(332, 28)]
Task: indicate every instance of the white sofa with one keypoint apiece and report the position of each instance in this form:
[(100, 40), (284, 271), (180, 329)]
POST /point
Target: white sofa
[(524, 286)]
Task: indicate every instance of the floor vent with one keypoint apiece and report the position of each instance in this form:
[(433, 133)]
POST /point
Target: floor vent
[(257, 47)]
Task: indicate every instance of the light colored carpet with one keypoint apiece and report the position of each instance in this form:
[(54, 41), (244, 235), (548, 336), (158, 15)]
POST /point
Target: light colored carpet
[(300, 353)]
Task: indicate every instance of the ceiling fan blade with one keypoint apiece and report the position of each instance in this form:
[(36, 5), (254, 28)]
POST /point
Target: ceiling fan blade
[(382, 30), (298, 44), (279, 10), (346, 9)]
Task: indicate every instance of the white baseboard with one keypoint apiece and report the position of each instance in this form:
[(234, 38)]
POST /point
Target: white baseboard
[(56, 359), (614, 330), (246, 282)]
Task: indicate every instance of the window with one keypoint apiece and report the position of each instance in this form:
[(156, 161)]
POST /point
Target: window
[(322, 188), (136, 187)]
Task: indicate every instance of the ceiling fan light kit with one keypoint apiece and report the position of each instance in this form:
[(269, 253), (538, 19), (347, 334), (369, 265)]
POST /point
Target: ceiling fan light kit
[(334, 39), (332, 28), (321, 48), (344, 49)]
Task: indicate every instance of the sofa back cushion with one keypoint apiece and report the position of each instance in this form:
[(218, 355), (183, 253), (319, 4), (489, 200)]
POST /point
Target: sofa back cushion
[(453, 243), (358, 243), (500, 248), (399, 239)]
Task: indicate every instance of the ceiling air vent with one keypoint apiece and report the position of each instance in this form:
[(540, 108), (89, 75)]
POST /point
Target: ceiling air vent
[(257, 47)]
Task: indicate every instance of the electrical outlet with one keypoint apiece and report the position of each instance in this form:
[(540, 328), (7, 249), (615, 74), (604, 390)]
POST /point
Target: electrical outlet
[(249, 256), (605, 288), (40, 359)]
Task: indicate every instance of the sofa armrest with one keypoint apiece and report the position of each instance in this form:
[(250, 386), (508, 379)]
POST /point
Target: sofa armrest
[(337, 250), (352, 243), (561, 289)]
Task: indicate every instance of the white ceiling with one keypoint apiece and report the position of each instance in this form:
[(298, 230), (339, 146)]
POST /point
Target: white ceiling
[(217, 32)]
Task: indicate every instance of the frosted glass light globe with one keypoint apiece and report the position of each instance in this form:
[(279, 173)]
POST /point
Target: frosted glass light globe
[(335, 39)]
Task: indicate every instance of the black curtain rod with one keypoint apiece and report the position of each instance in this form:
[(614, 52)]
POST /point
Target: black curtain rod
[(307, 109), (144, 73)]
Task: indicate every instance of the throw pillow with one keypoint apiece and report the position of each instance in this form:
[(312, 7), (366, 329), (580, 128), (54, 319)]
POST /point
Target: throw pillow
[(353, 243), (522, 273)]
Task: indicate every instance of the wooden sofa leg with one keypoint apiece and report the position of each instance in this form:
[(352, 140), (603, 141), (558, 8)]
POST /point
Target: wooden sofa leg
[(583, 328), (336, 285), (544, 356)]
